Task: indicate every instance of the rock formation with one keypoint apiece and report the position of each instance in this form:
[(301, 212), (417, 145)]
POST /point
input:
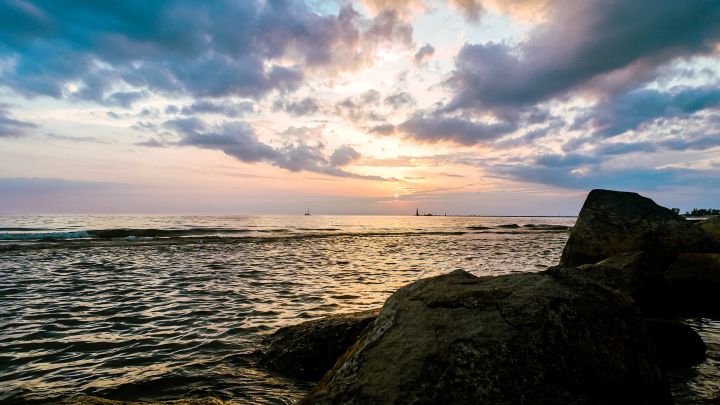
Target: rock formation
[(595, 329), (520, 338), (613, 222), (638, 274), (695, 279), (311, 348), (711, 226)]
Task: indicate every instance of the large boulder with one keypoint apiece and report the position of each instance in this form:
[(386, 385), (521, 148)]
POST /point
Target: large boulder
[(309, 349), (91, 400), (513, 339), (695, 279), (641, 276), (638, 274), (676, 344), (613, 222), (711, 226)]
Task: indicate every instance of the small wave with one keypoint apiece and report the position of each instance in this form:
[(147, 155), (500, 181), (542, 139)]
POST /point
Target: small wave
[(45, 235), (194, 236), (547, 227), (160, 233), (21, 229), (122, 233)]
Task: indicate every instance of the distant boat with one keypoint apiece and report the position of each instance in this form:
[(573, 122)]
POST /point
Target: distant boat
[(307, 212)]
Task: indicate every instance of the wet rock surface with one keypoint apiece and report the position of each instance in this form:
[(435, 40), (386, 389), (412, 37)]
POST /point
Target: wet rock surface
[(309, 349), (638, 274), (676, 344), (613, 222), (695, 280), (521, 338)]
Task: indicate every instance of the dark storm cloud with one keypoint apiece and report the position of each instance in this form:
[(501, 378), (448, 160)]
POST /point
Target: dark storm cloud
[(204, 49), (228, 109), (629, 111), (238, 139), (459, 130), (10, 127), (598, 45), (298, 108)]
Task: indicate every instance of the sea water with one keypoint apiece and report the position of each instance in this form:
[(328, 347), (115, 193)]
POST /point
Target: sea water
[(167, 307)]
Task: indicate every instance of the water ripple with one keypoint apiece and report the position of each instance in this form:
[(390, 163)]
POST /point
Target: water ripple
[(171, 318)]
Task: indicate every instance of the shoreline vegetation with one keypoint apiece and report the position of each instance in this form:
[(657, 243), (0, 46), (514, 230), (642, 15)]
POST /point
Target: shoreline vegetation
[(603, 326)]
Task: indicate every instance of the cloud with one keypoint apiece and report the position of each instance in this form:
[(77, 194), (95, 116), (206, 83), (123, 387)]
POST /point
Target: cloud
[(399, 100), (124, 98), (383, 129), (360, 108), (111, 53), (152, 143), (298, 108), (424, 53), (629, 111), (228, 109), (186, 126), (10, 127), (683, 142), (589, 177), (44, 185), (459, 130), (472, 9), (238, 139), (596, 45), (344, 155), (530, 136)]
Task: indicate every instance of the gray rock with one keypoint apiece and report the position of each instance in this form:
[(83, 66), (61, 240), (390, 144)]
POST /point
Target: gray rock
[(613, 222), (514, 339), (309, 349)]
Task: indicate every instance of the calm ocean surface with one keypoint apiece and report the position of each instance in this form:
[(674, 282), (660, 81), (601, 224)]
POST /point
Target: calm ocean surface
[(165, 307)]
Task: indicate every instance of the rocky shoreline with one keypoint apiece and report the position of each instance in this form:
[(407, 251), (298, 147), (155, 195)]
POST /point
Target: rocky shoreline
[(601, 327)]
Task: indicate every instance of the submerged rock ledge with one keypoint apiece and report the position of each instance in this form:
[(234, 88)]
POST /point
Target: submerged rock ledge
[(596, 329)]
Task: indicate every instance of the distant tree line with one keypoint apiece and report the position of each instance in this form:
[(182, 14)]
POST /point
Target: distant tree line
[(698, 212)]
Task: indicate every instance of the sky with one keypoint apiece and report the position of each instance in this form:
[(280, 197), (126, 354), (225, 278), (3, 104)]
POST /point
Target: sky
[(486, 107)]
